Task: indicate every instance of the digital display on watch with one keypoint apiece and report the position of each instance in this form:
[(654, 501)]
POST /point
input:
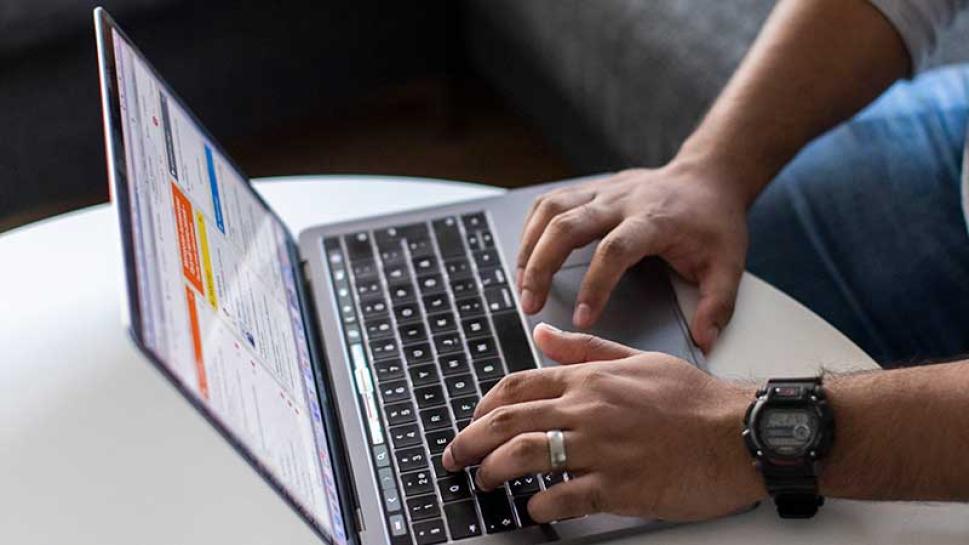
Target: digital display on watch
[(788, 432)]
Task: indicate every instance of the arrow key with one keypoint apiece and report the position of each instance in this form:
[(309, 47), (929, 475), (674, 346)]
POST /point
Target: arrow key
[(462, 520)]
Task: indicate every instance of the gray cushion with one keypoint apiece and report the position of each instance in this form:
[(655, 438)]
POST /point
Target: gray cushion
[(635, 75)]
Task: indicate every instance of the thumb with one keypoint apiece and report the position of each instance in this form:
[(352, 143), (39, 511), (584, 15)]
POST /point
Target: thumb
[(718, 291), (567, 348)]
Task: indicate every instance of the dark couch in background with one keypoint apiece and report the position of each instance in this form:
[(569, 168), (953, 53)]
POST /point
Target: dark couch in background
[(245, 66), (616, 83)]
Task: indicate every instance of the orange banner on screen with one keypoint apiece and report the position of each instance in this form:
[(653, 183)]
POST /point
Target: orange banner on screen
[(193, 323), (187, 246)]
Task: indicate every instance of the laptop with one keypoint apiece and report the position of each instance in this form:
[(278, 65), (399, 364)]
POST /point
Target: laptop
[(340, 364)]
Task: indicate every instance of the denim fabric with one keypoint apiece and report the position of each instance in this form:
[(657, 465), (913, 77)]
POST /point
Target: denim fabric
[(865, 226)]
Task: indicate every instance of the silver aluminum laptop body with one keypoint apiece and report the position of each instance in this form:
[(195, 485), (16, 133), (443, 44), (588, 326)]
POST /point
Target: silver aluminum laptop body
[(643, 313)]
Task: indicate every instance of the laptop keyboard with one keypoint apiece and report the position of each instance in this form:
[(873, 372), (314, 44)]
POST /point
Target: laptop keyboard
[(431, 325)]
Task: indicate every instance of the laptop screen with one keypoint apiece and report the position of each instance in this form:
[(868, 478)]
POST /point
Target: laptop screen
[(216, 298)]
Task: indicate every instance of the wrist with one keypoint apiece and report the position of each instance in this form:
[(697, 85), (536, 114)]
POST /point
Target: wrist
[(745, 479), (735, 172)]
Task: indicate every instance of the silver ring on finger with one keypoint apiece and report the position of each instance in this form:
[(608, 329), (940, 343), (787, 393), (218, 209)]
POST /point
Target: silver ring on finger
[(556, 449)]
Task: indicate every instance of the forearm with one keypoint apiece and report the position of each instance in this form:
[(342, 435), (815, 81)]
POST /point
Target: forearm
[(815, 63), (901, 435)]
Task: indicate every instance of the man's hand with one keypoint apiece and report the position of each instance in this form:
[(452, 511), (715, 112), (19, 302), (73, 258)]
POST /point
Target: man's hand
[(690, 216), (646, 434)]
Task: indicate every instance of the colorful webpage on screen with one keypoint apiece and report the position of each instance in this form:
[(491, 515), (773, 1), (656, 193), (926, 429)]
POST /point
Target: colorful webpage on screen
[(217, 294)]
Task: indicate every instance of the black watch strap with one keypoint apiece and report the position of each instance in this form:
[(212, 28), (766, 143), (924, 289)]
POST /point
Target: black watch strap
[(793, 484)]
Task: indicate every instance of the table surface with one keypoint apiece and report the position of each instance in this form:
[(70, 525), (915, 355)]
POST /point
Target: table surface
[(95, 447)]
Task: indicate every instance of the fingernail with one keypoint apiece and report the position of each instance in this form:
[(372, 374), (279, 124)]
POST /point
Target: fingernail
[(447, 459), (582, 315), (528, 301), (549, 326)]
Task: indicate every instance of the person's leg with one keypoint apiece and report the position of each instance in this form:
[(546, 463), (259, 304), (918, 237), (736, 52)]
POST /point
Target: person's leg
[(865, 226)]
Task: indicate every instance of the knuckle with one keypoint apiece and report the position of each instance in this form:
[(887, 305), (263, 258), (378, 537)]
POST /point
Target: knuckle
[(614, 248), (549, 205), (502, 420), (522, 448), (511, 386)]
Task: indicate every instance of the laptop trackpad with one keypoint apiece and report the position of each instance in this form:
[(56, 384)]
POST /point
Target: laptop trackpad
[(642, 312)]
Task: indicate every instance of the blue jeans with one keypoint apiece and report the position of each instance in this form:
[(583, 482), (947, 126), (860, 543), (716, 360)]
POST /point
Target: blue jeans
[(865, 225)]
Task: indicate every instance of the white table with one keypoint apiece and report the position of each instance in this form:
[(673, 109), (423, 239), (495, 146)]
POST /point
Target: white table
[(95, 447)]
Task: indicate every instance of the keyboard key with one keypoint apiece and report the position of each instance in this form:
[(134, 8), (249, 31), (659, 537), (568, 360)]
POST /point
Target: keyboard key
[(436, 418), (460, 385), (394, 391), (514, 341), (457, 268), (487, 239), (483, 347), (373, 306), (453, 364), (418, 353), (476, 327), (417, 483), (387, 238), (438, 466), (487, 385), (486, 258), (399, 413), (463, 407), (379, 327), (401, 292), (491, 276), (521, 508), (412, 332), (358, 246), (423, 507), (391, 255), (422, 375), (474, 241), (430, 283), (463, 287), (411, 459), (405, 436), (398, 528), (383, 349), (365, 267), (407, 312), (388, 370), (391, 500), (386, 478), (425, 264), (437, 302), (496, 511), (368, 286), (381, 456), (454, 487), (441, 322), (488, 369), (420, 247), (470, 306), (446, 343), (462, 520), (428, 396), (475, 221), (552, 479), (414, 231), (438, 440), (448, 237), (524, 486), (396, 272), (429, 532), (499, 298)]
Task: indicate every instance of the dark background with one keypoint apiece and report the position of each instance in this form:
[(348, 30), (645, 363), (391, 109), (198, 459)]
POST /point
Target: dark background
[(287, 87)]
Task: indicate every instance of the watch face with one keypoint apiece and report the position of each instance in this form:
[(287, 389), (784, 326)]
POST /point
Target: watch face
[(788, 432)]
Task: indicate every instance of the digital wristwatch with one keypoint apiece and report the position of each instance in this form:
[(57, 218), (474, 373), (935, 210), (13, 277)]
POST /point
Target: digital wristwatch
[(789, 429)]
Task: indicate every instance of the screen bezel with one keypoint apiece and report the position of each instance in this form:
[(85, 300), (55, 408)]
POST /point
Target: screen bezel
[(117, 169)]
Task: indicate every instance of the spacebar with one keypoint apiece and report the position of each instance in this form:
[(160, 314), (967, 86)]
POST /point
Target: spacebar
[(514, 343)]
